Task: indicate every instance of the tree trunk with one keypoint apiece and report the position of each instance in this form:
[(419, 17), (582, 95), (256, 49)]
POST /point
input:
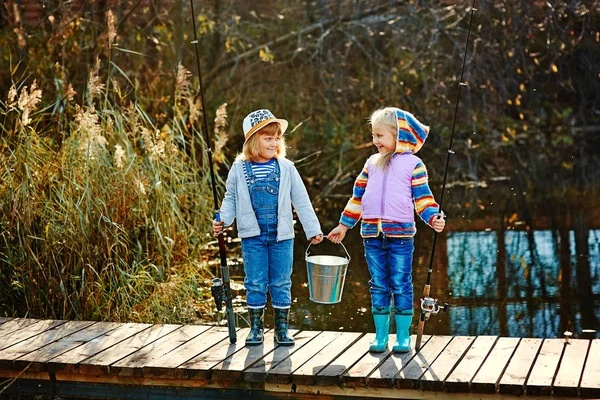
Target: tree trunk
[(583, 273), (501, 277)]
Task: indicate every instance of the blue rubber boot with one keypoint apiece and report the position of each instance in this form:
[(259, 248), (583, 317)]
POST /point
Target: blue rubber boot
[(281, 327), (381, 316), (257, 325), (403, 319)]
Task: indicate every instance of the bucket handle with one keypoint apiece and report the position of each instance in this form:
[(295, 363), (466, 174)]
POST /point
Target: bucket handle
[(341, 244)]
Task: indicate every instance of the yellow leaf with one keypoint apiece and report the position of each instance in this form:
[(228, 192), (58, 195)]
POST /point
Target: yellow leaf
[(521, 116), (517, 102), (509, 101), (510, 54), (265, 55), (522, 87), (518, 70), (554, 69)]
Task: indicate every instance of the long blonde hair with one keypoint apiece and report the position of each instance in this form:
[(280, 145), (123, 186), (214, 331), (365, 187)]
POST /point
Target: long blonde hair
[(385, 116), (250, 149)]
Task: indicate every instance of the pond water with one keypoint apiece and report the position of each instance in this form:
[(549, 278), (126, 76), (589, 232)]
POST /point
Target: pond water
[(496, 283)]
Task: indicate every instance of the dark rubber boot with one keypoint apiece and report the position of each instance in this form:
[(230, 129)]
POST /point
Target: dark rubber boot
[(281, 327), (257, 326)]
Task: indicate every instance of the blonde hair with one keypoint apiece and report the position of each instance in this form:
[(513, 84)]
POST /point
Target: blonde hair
[(385, 116), (250, 149)]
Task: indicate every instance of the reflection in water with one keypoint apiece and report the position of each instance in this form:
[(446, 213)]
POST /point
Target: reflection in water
[(497, 283), (528, 297)]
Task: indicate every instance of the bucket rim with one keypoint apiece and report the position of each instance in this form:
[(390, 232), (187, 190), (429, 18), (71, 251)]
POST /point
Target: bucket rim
[(337, 260)]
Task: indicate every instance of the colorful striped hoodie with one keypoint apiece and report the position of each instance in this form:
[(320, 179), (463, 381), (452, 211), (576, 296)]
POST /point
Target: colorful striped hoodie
[(386, 200)]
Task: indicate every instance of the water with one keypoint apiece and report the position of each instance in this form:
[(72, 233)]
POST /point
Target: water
[(518, 288)]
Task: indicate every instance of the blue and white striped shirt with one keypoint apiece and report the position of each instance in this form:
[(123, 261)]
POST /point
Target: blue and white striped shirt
[(260, 170)]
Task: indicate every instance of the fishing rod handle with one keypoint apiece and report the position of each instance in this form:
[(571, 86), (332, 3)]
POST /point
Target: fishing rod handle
[(231, 321)]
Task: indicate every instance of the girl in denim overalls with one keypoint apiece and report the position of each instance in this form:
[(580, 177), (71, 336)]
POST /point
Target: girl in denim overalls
[(392, 185), (262, 186)]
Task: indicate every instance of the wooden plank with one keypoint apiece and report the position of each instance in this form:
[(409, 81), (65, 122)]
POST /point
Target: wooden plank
[(486, 380), (258, 371), (358, 373), (590, 383), (569, 373), (133, 364), (436, 374), (409, 377), (36, 342), (67, 362), (29, 331), (282, 373), (543, 371), (513, 379), (99, 363), (199, 366), (385, 375), (16, 324), (305, 375), (459, 380), (231, 369), (166, 366), (332, 374), (36, 360)]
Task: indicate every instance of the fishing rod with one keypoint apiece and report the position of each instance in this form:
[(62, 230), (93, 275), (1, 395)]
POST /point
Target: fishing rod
[(430, 305), (221, 289)]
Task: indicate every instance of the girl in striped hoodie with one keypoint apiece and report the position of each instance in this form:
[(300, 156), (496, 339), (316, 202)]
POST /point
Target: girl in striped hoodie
[(392, 185)]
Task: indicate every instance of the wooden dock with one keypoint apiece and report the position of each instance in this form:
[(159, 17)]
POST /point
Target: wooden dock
[(127, 360)]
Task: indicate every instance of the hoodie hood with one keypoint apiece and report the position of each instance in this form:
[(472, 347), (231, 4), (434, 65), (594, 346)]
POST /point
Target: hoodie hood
[(411, 133)]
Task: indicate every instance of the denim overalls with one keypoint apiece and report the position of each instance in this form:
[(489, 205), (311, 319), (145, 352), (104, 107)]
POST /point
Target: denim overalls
[(267, 262)]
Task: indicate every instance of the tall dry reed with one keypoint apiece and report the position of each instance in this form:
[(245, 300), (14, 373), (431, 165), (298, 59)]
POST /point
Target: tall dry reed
[(102, 213)]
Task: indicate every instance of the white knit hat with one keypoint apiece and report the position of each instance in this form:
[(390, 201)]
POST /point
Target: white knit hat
[(259, 119)]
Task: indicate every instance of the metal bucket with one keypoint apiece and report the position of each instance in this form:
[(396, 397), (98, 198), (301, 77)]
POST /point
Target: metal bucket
[(326, 276)]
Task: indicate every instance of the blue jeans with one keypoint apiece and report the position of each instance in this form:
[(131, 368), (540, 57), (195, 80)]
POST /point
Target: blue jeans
[(268, 264), (390, 265)]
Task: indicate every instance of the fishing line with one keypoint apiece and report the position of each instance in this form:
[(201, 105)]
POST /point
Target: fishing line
[(430, 305)]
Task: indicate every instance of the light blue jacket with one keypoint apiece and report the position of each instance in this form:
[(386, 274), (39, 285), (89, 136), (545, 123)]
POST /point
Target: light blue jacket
[(292, 191)]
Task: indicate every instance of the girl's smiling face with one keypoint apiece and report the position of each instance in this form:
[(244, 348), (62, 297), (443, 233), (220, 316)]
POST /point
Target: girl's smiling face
[(384, 138), (267, 146)]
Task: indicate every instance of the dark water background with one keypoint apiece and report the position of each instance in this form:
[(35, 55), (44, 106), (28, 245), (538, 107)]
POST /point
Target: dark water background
[(516, 288)]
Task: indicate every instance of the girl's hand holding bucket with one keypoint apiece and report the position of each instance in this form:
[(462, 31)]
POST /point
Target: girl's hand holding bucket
[(338, 234), (316, 239)]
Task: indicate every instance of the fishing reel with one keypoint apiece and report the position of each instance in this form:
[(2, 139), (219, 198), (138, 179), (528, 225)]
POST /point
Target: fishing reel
[(430, 306), (218, 292)]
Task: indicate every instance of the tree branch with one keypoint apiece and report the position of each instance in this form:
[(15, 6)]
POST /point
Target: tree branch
[(322, 25)]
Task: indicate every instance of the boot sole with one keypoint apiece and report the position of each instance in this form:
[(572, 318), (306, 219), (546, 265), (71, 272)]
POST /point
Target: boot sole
[(400, 350), (285, 343)]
